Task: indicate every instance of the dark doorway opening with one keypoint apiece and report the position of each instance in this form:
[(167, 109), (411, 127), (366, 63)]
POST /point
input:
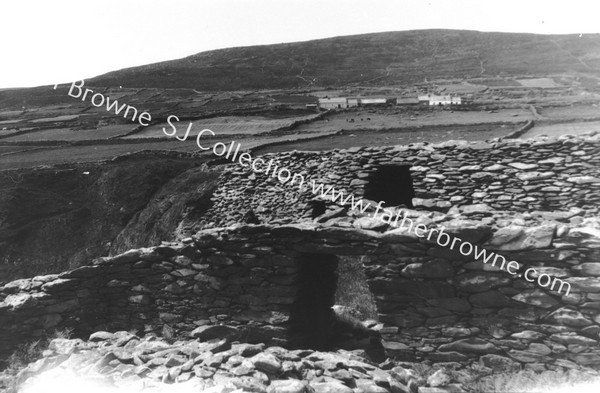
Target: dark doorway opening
[(311, 317), (318, 208), (391, 184)]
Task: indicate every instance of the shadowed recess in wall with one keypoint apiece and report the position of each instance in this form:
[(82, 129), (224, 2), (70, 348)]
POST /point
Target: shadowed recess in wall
[(311, 315), (391, 184), (318, 208)]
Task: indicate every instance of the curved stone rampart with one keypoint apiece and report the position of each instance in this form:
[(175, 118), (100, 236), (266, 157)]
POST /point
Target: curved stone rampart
[(541, 174), (433, 303)]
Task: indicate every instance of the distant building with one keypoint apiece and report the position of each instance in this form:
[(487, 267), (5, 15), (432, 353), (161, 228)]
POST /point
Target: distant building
[(434, 100), (424, 99), (349, 102), (312, 106), (373, 101), (407, 101), (353, 102), (333, 103)]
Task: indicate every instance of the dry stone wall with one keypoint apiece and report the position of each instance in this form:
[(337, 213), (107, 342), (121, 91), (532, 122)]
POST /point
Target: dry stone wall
[(254, 283), (547, 174)]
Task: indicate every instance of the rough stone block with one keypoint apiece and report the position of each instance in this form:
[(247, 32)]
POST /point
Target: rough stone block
[(438, 268), (469, 345), (536, 297), (568, 317)]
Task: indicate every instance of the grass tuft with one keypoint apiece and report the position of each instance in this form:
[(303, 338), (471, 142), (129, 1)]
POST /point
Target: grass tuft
[(24, 355)]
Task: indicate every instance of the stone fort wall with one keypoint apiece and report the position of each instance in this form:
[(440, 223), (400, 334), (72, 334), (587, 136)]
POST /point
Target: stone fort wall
[(542, 174), (275, 284)]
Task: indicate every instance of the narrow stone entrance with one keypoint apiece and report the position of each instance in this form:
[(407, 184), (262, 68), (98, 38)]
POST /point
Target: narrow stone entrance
[(391, 184), (311, 318), (355, 310), (318, 208)]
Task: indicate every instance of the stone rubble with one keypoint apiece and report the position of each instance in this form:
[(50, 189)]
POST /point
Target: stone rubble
[(124, 361)]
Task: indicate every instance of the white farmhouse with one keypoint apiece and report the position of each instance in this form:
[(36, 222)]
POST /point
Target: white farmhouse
[(373, 101), (333, 103), (434, 100)]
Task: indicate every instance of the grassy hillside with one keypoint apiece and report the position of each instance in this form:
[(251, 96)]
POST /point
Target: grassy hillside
[(376, 59), (53, 219)]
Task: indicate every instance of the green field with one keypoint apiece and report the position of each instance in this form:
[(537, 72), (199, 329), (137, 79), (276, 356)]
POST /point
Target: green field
[(562, 129), (402, 136), (226, 125), (571, 112), (393, 118), (53, 155), (69, 134)]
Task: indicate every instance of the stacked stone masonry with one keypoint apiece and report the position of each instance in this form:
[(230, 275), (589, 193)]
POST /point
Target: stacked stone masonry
[(246, 282), (545, 174)]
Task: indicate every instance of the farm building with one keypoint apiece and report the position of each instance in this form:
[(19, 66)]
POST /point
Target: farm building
[(373, 101), (432, 100), (455, 100), (407, 101), (424, 99), (333, 103), (344, 102), (353, 102)]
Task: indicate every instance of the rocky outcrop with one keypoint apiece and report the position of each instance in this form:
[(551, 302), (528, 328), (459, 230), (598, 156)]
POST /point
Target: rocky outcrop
[(257, 283)]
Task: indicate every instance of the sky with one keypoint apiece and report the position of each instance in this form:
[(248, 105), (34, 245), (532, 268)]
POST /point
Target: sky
[(56, 41)]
